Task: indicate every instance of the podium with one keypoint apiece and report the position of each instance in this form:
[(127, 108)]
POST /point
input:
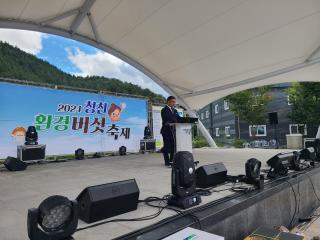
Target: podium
[(183, 134)]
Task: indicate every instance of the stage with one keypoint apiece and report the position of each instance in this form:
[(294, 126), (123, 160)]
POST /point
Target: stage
[(22, 190)]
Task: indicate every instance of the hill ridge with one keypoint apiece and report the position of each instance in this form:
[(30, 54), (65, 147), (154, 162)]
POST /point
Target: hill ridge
[(17, 64)]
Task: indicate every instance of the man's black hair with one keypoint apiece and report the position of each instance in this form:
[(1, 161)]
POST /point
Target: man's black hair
[(170, 98)]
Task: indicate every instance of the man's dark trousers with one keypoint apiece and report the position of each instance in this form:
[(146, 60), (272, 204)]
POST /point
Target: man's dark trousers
[(169, 115), (168, 144)]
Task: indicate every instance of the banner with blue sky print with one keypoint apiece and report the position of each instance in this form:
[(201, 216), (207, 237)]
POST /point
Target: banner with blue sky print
[(67, 120)]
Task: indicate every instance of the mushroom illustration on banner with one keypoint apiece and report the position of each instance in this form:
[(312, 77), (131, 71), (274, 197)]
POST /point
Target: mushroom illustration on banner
[(114, 112), (19, 134)]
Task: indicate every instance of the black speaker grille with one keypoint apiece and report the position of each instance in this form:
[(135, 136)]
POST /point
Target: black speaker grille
[(211, 175), (108, 200)]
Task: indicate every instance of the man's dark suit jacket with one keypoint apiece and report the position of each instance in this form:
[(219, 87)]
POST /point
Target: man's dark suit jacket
[(168, 116)]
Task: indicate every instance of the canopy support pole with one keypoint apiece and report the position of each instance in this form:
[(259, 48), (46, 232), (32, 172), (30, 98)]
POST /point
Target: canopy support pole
[(206, 134), (84, 9), (200, 125)]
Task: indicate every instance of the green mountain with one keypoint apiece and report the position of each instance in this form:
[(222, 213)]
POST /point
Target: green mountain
[(17, 64)]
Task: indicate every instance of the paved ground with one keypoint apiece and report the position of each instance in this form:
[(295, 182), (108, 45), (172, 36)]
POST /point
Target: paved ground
[(22, 190), (309, 229)]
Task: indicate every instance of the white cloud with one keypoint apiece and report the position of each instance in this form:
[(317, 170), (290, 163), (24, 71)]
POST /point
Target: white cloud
[(28, 41), (104, 64)]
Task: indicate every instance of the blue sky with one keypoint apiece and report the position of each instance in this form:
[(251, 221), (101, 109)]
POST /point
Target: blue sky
[(76, 58), (54, 51)]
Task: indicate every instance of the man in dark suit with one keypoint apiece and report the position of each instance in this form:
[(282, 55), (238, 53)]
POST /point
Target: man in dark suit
[(169, 115)]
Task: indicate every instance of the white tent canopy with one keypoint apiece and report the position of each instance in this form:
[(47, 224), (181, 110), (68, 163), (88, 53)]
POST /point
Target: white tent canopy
[(198, 50)]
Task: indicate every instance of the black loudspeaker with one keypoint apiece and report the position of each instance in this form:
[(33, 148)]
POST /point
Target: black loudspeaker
[(14, 164), (108, 200), (273, 118), (211, 175)]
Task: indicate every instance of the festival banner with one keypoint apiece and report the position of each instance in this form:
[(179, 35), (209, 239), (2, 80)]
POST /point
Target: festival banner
[(156, 126), (67, 120)]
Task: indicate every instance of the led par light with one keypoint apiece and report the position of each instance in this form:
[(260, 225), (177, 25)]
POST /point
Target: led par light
[(56, 218)]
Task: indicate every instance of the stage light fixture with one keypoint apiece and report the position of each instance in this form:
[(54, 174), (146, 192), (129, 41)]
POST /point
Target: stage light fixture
[(31, 136), (56, 218), (79, 154), (183, 181), (308, 154), (253, 166), (147, 133), (279, 164), (122, 150), (295, 163)]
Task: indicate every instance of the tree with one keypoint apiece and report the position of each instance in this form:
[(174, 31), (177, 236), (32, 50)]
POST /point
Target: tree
[(305, 101), (17, 64), (249, 105)]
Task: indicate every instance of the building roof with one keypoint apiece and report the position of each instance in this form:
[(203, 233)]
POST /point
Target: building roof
[(198, 50)]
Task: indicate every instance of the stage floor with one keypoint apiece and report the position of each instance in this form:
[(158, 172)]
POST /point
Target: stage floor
[(22, 190)]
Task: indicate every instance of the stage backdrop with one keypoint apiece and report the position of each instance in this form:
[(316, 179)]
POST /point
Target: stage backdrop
[(67, 120)]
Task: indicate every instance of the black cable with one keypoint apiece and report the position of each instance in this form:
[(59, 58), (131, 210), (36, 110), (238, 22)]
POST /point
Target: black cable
[(295, 204), (183, 214), (144, 218), (190, 213), (314, 189), (211, 204), (299, 195), (152, 199), (210, 190)]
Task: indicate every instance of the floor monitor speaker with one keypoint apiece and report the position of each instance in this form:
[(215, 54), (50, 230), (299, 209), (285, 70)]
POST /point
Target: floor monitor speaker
[(14, 164), (108, 200), (211, 175)]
